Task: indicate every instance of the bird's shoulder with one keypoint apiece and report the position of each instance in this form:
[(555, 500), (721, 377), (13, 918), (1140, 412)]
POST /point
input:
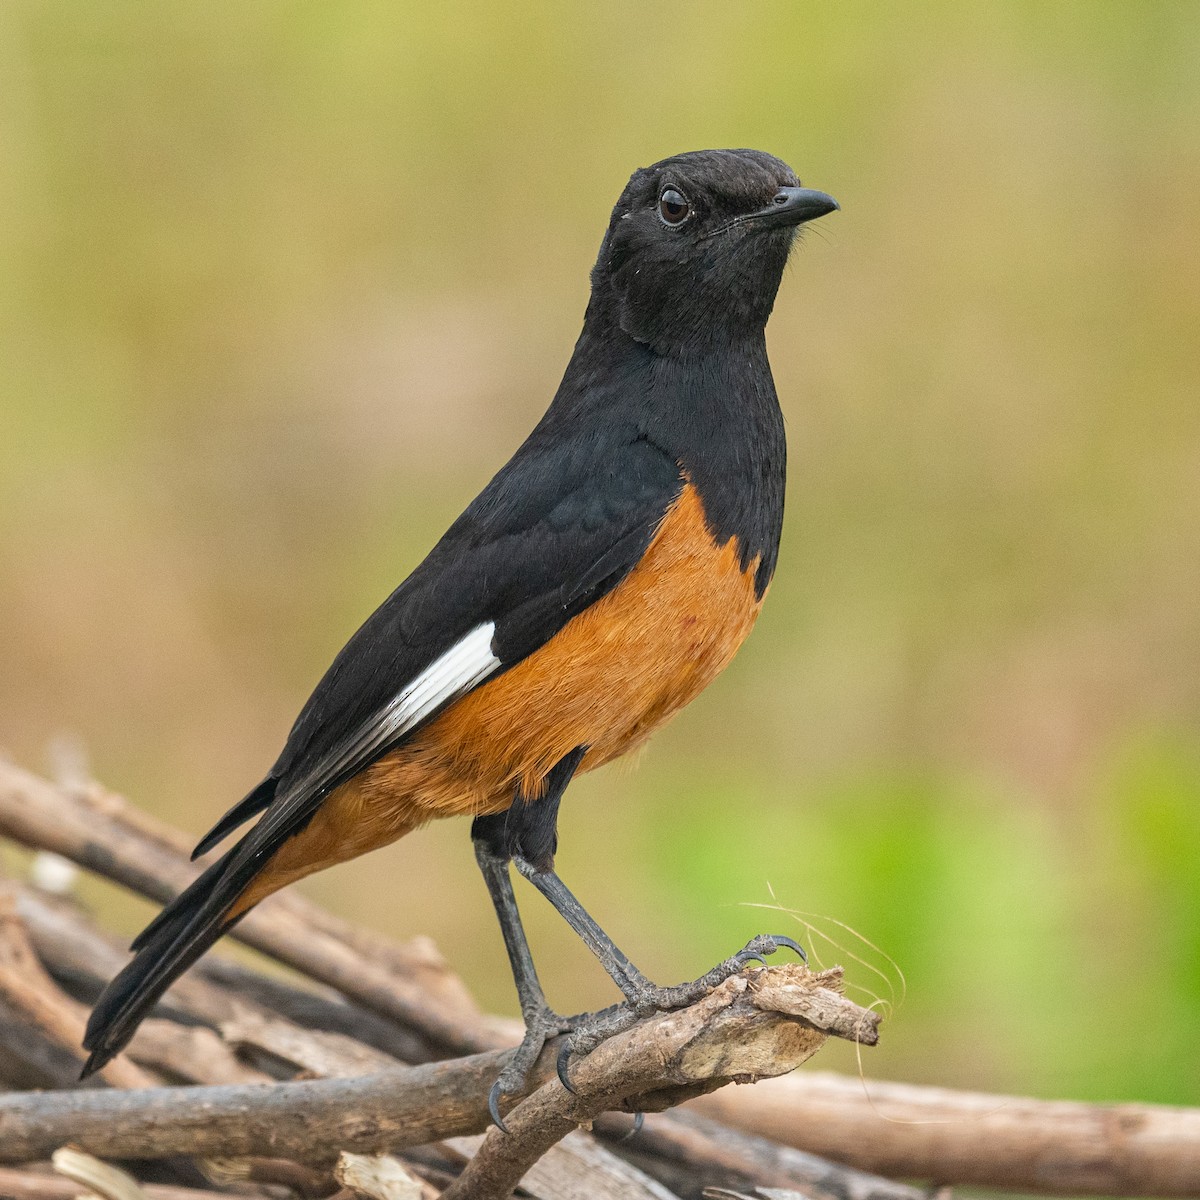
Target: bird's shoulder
[(557, 527)]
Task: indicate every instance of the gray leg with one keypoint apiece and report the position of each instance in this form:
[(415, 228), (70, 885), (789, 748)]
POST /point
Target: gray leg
[(527, 835), (528, 828), (499, 886), (624, 974), (541, 1022), (643, 996)]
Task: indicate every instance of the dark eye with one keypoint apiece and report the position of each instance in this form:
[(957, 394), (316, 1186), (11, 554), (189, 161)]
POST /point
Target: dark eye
[(673, 208)]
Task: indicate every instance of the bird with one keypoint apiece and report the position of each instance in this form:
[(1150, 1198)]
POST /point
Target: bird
[(599, 582)]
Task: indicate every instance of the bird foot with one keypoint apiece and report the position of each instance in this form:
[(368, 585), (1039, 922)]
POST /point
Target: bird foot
[(541, 1025), (643, 999)]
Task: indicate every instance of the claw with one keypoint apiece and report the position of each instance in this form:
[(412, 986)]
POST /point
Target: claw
[(780, 942), (639, 1120), (749, 958), (562, 1065), (494, 1106)]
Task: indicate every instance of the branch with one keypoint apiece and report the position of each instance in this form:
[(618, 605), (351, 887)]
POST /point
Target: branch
[(972, 1137), (100, 832), (308, 1120), (70, 944), (577, 1167), (26, 987), (761, 1023), (916, 1133), (736, 1032), (36, 1185), (704, 1148), (216, 991)]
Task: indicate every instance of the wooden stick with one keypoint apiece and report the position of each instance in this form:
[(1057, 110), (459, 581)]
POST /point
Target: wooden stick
[(34, 1185), (973, 1138), (29, 1059), (374, 1177), (904, 1131), (578, 1168), (726, 1035), (26, 987), (737, 1031), (310, 1121), (316, 1007), (100, 832), (191, 1053), (703, 1148), (71, 945), (198, 1054)]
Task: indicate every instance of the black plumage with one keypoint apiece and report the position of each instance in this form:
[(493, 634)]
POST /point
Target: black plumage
[(669, 386)]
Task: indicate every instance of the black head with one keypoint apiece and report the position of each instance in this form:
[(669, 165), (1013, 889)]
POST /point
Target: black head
[(696, 248)]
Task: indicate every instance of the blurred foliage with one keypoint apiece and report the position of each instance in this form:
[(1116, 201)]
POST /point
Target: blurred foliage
[(281, 284)]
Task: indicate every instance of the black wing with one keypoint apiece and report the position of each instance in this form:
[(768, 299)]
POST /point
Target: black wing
[(562, 523), (558, 527)]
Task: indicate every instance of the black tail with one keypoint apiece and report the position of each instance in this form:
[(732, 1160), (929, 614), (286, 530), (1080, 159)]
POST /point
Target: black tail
[(239, 814), (178, 936)]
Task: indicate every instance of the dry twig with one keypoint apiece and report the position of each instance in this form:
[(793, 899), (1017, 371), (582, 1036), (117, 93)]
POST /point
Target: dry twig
[(26, 987), (37, 1185), (64, 937), (100, 832), (698, 1144), (970, 1137), (727, 1035), (754, 1025), (748, 1027), (578, 1168)]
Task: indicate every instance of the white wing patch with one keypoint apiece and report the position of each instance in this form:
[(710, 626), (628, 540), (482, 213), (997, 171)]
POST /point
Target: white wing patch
[(464, 666)]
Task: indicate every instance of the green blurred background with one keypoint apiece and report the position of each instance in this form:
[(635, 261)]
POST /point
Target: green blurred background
[(281, 285)]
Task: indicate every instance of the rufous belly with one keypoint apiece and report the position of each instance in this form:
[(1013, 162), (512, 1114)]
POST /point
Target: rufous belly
[(606, 680)]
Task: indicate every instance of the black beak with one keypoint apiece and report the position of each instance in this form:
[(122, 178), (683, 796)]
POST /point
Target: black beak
[(794, 206)]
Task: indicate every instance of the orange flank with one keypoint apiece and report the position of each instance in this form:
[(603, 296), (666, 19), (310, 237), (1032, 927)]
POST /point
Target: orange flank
[(608, 679)]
